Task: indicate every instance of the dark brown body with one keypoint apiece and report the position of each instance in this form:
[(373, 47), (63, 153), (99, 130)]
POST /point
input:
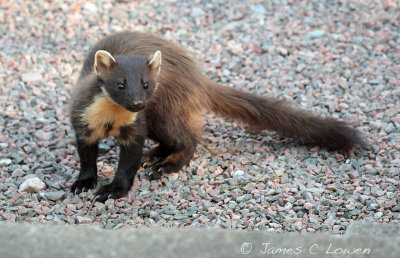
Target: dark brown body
[(173, 114)]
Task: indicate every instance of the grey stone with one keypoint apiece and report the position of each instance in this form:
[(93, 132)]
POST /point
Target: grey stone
[(232, 205), (389, 128), (309, 19), (31, 77), (3, 145), (258, 9), (217, 197), (9, 216), (153, 214), (363, 197), (144, 213), (316, 190), (343, 83), (119, 14), (55, 196), (192, 210), (377, 191), (288, 206), (396, 208), (374, 82), (17, 173), (17, 157), (5, 162), (312, 220), (196, 11), (316, 33), (396, 92), (337, 228), (90, 7), (179, 217), (170, 211), (157, 218), (83, 220), (300, 67), (244, 198), (238, 173), (272, 198), (109, 203), (249, 187), (104, 147), (244, 211)]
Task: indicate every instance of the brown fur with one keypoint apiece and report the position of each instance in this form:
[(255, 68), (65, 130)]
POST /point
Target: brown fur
[(184, 93), (179, 95)]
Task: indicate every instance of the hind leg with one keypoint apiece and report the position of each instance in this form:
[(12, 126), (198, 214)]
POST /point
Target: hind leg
[(154, 155), (180, 155), (177, 143)]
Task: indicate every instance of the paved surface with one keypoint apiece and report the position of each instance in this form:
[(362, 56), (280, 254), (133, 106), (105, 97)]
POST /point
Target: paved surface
[(38, 240)]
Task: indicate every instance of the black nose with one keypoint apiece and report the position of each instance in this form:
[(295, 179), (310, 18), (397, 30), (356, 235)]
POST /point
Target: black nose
[(137, 104)]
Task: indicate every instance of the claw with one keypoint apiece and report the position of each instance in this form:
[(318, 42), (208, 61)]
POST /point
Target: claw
[(155, 175), (113, 190), (83, 185)]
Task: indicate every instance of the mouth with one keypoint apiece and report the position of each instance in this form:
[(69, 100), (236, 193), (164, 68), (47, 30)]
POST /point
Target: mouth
[(134, 109)]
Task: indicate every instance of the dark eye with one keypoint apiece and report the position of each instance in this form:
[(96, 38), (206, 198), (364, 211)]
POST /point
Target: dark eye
[(145, 85), (120, 86)]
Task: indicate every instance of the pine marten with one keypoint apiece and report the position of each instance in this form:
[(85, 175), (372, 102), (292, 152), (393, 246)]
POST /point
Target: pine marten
[(135, 85)]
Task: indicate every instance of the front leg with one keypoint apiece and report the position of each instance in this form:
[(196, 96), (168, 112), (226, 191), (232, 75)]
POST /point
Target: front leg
[(87, 178), (129, 162)]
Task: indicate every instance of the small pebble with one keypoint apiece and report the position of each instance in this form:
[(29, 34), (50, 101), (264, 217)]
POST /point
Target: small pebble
[(378, 215), (55, 196), (238, 173), (3, 145), (308, 206), (283, 51), (32, 185), (316, 34), (17, 173), (31, 77), (83, 220), (5, 162)]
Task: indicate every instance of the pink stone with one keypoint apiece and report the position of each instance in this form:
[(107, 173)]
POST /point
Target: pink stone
[(308, 206), (218, 171), (354, 175)]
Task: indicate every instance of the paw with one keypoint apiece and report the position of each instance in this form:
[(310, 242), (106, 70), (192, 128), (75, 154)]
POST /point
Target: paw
[(148, 161), (83, 185), (151, 158), (115, 190), (155, 173)]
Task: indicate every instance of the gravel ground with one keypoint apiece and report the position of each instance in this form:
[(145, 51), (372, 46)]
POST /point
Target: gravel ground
[(336, 58)]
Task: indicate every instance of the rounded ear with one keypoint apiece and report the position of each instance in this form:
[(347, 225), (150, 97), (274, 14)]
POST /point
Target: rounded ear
[(155, 62), (104, 63)]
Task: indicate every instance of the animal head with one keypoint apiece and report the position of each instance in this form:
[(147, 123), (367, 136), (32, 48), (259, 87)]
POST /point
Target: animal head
[(130, 80)]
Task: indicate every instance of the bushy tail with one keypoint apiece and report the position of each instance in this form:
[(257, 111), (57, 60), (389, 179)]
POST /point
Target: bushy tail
[(273, 114)]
